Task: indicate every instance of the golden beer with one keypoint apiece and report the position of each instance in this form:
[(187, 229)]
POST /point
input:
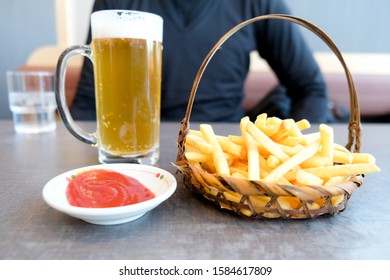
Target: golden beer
[(128, 93), (126, 52)]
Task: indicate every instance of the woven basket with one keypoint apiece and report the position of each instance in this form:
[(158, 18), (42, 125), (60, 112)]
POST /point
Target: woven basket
[(258, 199)]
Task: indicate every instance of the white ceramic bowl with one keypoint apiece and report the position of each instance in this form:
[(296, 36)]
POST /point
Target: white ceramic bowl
[(160, 182)]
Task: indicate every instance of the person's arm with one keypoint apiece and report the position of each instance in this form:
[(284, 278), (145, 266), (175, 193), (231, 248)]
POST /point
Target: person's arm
[(280, 43)]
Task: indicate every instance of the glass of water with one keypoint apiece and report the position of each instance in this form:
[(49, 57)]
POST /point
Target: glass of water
[(32, 100)]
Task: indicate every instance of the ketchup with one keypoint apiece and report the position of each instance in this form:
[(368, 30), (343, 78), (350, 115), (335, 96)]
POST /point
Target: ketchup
[(104, 188)]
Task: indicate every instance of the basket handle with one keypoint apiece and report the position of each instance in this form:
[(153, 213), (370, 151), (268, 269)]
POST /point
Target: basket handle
[(354, 128)]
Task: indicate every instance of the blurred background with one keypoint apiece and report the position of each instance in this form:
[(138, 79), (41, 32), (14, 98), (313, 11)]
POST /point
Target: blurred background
[(35, 32)]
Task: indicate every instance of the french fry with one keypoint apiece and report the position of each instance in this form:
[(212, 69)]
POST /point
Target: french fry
[(239, 140), (259, 202), (283, 181), (275, 150), (310, 138), (291, 150), (265, 170), (295, 160), (273, 121), (272, 126), (291, 175), (305, 178), (336, 200), (284, 129), (316, 161), (230, 147), (252, 152), (340, 148), (239, 175), (199, 143), (237, 169), (195, 138), (195, 132), (198, 157), (240, 164), (253, 158), (196, 164), (230, 158), (271, 129), (190, 148), (327, 140), (291, 141), (209, 166), (336, 180), (294, 130), (343, 170), (284, 202), (312, 205), (261, 121), (263, 151), (272, 161), (362, 158), (219, 158), (303, 124), (342, 157), (266, 142)]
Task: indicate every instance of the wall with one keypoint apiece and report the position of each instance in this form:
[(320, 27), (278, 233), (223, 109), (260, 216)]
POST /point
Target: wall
[(25, 25), (354, 25)]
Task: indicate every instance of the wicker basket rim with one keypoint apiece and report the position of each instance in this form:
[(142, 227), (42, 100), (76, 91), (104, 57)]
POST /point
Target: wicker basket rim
[(353, 144), (354, 124)]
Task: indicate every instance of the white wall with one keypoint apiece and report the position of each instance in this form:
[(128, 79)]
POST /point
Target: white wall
[(24, 26), (354, 25)]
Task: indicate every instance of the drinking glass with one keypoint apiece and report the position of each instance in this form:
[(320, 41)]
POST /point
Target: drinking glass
[(32, 101), (126, 52)]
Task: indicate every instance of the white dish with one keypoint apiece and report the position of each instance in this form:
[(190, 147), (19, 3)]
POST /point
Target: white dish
[(160, 182)]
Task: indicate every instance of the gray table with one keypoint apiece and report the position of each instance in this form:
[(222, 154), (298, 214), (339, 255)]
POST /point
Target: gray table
[(185, 226)]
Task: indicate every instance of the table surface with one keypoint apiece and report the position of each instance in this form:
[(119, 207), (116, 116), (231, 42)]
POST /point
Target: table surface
[(185, 226)]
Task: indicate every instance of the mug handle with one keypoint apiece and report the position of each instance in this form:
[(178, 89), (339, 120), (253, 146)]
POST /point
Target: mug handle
[(79, 133)]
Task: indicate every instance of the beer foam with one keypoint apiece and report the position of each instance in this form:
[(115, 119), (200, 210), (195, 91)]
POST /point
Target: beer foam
[(126, 24)]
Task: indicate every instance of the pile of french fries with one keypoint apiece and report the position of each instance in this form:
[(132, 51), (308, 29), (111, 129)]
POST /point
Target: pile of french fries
[(275, 150)]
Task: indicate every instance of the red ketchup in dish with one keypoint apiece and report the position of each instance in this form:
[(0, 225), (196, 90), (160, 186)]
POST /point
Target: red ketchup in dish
[(104, 188)]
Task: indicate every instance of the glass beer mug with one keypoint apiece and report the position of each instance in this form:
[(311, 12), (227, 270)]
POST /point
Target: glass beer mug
[(126, 52)]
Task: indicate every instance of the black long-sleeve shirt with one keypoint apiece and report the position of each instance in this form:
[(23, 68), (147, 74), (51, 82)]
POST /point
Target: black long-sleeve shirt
[(191, 29)]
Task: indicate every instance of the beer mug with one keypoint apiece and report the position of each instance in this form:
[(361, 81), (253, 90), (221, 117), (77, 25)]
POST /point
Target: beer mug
[(126, 53)]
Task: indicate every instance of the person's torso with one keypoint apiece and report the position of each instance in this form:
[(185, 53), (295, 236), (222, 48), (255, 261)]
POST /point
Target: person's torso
[(189, 34)]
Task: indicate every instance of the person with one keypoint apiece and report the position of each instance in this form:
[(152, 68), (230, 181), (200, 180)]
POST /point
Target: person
[(191, 29)]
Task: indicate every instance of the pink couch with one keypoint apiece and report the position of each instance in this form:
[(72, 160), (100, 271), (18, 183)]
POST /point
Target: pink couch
[(373, 91)]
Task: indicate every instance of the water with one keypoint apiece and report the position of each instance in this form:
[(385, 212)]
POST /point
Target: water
[(33, 112)]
